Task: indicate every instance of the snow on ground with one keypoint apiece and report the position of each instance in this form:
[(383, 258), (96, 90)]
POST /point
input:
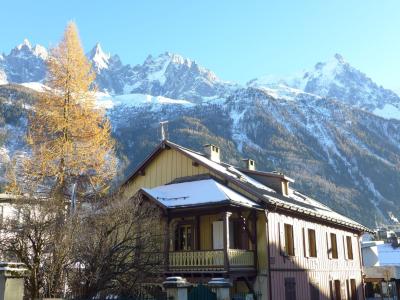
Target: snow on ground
[(388, 111), (108, 101)]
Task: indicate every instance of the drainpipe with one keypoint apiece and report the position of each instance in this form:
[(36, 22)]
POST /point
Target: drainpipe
[(361, 265), (269, 257), (73, 198)]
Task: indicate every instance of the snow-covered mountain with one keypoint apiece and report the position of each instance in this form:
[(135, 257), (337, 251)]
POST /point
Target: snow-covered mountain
[(321, 127), (337, 79), (24, 63), (169, 75)]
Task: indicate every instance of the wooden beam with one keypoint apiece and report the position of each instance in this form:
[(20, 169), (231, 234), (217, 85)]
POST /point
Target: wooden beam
[(197, 232), (254, 221), (252, 236)]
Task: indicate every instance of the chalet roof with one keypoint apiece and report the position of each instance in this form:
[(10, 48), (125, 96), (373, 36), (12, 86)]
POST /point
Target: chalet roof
[(296, 202), (197, 193)]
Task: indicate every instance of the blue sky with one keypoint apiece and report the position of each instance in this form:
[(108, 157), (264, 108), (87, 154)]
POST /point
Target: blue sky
[(238, 40)]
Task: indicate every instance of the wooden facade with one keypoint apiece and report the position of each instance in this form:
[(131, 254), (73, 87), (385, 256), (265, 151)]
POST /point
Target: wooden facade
[(320, 271), (255, 258)]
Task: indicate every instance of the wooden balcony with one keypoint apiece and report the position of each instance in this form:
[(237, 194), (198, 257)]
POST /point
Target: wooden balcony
[(212, 260)]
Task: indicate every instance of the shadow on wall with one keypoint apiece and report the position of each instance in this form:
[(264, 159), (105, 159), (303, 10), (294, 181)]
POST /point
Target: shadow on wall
[(303, 278)]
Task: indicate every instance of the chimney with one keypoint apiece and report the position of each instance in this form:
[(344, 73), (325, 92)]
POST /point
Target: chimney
[(250, 164), (213, 152)]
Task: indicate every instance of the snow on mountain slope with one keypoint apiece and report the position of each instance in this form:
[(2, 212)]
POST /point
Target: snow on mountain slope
[(99, 59), (174, 76), (388, 111), (336, 149), (36, 86), (136, 100), (337, 79), (25, 63)]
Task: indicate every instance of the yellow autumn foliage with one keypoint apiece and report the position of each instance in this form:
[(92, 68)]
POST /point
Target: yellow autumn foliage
[(69, 136)]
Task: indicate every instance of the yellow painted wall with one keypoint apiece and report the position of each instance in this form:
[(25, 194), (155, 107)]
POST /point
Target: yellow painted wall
[(167, 166), (206, 231)]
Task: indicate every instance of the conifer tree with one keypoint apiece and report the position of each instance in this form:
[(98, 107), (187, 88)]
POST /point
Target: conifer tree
[(70, 137)]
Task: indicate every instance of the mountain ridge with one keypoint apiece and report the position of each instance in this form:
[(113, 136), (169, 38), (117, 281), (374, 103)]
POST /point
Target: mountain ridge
[(341, 150)]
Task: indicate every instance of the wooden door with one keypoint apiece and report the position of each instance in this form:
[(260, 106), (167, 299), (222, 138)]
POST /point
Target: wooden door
[(290, 288)]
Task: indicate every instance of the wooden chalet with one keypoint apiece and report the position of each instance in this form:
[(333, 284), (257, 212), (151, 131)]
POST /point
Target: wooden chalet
[(248, 226)]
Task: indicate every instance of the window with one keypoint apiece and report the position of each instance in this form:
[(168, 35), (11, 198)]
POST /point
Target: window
[(334, 250), (314, 291), (183, 237), (336, 285), (290, 288), (312, 244), (349, 247), (353, 289), (289, 242)]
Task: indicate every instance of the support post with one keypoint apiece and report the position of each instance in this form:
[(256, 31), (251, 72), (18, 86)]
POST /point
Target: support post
[(197, 232), (225, 219), (12, 281), (254, 233), (221, 287), (166, 244), (176, 288)]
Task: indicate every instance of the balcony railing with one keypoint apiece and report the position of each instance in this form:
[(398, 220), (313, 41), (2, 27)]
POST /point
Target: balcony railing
[(212, 260), (240, 258)]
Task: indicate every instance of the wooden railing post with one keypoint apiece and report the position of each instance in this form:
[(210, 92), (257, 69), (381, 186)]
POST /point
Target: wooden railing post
[(225, 219)]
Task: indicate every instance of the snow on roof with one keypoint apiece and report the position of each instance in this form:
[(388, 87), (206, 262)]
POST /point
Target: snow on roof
[(227, 170), (388, 256), (295, 200), (194, 193)]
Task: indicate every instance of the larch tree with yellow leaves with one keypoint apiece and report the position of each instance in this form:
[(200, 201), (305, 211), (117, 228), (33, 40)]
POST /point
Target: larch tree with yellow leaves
[(70, 138), (72, 152)]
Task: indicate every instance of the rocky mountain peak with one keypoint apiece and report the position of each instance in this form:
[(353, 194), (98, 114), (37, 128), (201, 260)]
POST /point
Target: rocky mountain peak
[(334, 78), (99, 58), (25, 44)]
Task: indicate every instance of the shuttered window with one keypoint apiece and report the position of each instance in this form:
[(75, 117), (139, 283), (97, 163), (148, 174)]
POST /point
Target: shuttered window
[(289, 241), (353, 289), (337, 287), (349, 246), (312, 244), (333, 250), (290, 288)]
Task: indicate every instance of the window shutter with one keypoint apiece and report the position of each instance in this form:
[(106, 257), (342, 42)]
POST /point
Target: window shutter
[(306, 242), (294, 242), (281, 237), (218, 235), (345, 247), (329, 245)]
